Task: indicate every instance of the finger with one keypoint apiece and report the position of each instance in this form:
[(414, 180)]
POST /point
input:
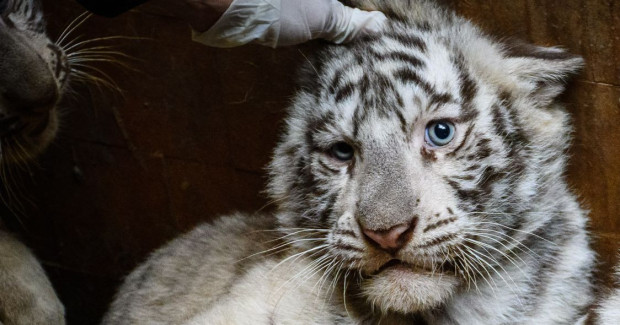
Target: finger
[(352, 22)]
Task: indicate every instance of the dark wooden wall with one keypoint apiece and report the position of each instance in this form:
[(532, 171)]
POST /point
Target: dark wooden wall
[(189, 135)]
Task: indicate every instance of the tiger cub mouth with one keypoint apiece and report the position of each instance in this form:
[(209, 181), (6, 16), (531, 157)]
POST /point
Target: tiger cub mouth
[(396, 264), (424, 268)]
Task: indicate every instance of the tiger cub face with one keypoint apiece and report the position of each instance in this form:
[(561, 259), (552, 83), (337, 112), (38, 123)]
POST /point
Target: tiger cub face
[(33, 75), (411, 158)]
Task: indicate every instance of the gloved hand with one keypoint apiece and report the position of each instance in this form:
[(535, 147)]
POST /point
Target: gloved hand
[(277, 23)]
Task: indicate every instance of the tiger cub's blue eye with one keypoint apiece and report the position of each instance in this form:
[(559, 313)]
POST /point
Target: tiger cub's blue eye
[(342, 151), (439, 133)]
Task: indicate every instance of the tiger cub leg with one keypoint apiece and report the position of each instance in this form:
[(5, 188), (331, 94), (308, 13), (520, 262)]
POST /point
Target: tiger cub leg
[(26, 294)]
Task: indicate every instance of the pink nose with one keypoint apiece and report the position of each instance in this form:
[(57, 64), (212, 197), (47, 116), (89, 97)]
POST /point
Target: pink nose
[(392, 239)]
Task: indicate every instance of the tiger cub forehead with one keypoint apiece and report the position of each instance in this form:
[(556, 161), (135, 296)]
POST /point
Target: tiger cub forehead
[(382, 93), (405, 75)]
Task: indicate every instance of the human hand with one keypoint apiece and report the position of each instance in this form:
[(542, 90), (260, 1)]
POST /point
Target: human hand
[(277, 23)]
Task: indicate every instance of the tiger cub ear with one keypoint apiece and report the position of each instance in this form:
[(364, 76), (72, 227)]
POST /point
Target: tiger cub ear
[(541, 71)]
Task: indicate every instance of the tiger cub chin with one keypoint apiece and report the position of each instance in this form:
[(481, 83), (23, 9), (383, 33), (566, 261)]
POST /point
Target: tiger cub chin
[(420, 178), (33, 75)]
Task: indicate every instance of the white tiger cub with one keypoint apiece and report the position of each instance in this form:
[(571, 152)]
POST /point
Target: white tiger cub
[(33, 75), (420, 178)]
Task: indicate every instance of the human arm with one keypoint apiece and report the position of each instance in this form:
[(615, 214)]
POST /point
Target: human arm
[(229, 23), (278, 23)]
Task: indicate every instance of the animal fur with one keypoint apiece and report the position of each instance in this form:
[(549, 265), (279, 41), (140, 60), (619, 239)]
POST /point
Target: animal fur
[(376, 223)]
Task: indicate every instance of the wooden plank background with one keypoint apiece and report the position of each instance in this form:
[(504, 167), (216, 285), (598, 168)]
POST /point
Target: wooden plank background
[(189, 135)]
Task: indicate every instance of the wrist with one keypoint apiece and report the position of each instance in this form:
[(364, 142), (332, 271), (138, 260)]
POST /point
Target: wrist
[(206, 12)]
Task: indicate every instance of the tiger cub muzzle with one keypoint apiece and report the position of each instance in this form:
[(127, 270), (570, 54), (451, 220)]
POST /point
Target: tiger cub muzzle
[(36, 74)]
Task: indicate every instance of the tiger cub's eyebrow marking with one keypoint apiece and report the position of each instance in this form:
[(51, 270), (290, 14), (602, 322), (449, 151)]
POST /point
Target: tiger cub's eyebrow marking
[(470, 128), (408, 40), (437, 100)]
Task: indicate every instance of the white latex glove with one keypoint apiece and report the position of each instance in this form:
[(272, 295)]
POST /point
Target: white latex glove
[(277, 23)]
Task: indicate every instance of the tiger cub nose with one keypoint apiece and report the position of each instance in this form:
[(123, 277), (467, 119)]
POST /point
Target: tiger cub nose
[(393, 239)]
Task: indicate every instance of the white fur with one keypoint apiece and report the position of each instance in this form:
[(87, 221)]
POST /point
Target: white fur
[(493, 234)]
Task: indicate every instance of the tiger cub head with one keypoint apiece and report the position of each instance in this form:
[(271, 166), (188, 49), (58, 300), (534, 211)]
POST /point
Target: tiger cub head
[(407, 155), (33, 75)]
